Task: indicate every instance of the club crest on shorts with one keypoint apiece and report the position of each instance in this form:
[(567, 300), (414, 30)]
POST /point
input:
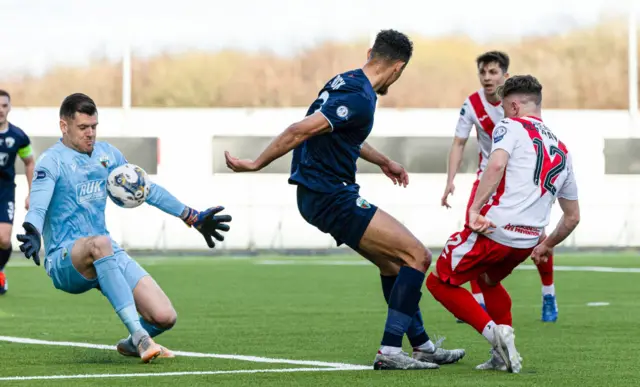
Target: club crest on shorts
[(362, 203)]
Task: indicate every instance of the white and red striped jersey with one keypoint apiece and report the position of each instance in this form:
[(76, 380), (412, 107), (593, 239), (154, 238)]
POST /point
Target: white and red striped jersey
[(538, 171), (477, 111)]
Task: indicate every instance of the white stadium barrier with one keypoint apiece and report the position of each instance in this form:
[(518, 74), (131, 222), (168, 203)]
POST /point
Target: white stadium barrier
[(263, 206)]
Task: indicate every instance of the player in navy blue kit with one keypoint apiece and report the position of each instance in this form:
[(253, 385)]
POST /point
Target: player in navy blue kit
[(13, 142), (326, 145)]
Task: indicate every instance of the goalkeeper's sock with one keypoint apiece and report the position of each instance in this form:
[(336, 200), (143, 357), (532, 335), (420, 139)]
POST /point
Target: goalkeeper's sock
[(152, 329), (5, 254), (403, 306), (114, 286)]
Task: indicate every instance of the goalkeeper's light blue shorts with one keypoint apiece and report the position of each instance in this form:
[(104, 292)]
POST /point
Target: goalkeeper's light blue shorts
[(66, 277)]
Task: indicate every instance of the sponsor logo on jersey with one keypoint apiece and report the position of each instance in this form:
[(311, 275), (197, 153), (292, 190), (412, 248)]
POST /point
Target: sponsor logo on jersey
[(337, 82), (40, 175), (526, 230), (91, 190)]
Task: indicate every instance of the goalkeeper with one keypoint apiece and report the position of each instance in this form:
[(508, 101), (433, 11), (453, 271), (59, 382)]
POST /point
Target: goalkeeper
[(68, 199)]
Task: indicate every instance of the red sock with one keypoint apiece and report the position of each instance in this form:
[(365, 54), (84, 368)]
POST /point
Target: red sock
[(546, 272), (498, 303), (459, 302), (475, 288)]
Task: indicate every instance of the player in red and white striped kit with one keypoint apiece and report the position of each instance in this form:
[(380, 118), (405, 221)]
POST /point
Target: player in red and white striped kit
[(483, 110), (527, 170)]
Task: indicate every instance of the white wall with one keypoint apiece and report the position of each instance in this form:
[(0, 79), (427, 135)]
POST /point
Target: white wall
[(264, 207)]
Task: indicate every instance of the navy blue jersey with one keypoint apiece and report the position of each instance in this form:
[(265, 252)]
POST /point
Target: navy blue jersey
[(13, 142), (326, 162)]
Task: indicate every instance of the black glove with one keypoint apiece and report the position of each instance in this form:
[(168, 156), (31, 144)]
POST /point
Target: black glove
[(30, 242), (208, 224)]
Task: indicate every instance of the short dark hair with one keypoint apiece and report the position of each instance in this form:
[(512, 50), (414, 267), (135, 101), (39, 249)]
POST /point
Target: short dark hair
[(392, 45), (522, 84), (4, 93), (77, 103), (494, 56)]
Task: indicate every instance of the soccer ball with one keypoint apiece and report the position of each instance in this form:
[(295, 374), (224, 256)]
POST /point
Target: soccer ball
[(128, 185)]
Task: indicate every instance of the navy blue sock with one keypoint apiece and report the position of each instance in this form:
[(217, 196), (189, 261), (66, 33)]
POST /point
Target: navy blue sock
[(416, 333), (403, 305), (4, 257), (387, 285)]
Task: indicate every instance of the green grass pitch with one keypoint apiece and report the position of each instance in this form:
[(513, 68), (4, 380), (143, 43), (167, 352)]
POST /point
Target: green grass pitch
[(303, 309)]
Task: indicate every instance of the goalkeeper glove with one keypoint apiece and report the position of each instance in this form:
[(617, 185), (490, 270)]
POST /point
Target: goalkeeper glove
[(30, 242), (208, 223)]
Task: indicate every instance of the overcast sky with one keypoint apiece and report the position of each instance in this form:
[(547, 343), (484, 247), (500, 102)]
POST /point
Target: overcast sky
[(39, 33)]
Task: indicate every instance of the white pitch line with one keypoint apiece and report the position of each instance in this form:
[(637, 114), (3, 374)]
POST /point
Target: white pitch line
[(185, 373), (598, 304), (600, 269), (312, 262), (254, 359)]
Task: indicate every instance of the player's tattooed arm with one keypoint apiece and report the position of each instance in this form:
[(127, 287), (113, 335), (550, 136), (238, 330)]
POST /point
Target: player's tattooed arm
[(293, 136), (390, 168), (564, 228), (566, 225)]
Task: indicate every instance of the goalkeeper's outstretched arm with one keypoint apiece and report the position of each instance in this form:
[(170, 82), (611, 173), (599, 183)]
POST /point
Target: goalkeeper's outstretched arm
[(158, 196), (206, 222), (45, 175), (162, 199)]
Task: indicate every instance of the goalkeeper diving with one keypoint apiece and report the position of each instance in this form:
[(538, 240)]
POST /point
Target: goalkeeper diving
[(68, 200)]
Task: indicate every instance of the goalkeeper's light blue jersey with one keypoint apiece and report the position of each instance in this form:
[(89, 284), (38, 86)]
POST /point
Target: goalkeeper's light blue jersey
[(69, 194)]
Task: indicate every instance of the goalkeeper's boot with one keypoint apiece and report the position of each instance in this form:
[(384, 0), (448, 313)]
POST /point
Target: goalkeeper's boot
[(549, 308), (504, 344), (148, 349), (400, 361), (126, 348)]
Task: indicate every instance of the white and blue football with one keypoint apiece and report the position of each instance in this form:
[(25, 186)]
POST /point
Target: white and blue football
[(128, 185)]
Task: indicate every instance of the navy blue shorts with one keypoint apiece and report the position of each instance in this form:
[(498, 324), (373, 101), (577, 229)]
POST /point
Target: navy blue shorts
[(7, 204), (343, 213)]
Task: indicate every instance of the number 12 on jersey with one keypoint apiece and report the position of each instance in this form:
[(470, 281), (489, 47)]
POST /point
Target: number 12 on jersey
[(546, 169)]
